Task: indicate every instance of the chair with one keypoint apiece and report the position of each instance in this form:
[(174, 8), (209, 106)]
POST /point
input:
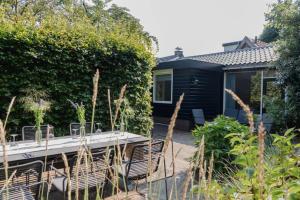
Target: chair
[(198, 116), (95, 175), (233, 113), (242, 117), (77, 126), (28, 132), (138, 166), (24, 184)]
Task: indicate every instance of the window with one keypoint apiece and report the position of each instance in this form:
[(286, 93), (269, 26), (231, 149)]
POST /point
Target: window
[(163, 86), (247, 85), (253, 87)]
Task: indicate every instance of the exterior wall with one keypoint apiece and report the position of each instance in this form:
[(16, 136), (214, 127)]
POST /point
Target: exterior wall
[(202, 88), (230, 47)]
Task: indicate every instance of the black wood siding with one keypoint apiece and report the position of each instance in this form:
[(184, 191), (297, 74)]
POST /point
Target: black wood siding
[(206, 94)]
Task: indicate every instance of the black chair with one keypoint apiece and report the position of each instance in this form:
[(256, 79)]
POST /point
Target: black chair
[(233, 113), (138, 166), (95, 175), (198, 115), (24, 184), (88, 126), (242, 117), (28, 132)]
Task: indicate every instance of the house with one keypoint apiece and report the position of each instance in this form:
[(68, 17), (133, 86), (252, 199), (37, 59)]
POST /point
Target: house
[(244, 66)]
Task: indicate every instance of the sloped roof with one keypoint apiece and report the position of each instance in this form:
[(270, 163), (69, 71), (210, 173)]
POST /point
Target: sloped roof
[(168, 58), (248, 56), (258, 55), (247, 42)]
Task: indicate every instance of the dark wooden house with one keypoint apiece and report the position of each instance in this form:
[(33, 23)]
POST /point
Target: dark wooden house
[(243, 67)]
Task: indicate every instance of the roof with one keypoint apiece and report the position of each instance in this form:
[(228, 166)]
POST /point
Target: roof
[(248, 56), (247, 42), (168, 58), (189, 64), (258, 55), (248, 53)]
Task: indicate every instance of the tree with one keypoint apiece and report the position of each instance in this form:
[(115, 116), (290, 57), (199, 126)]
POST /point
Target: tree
[(285, 17), (269, 34)]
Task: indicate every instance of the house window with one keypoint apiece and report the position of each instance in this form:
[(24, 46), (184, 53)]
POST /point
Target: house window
[(253, 87), (163, 86)]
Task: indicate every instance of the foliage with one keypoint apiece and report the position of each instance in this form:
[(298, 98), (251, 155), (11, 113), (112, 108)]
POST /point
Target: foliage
[(126, 112), (214, 133), (269, 34), (281, 176), (275, 107), (34, 103), (285, 17), (80, 111), (56, 46), (278, 180)]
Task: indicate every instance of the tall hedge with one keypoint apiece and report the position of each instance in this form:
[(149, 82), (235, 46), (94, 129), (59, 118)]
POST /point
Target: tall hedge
[(61, 61)]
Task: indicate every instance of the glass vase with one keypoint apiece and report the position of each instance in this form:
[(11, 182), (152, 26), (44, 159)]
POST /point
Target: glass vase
[(82, 133), (38, 137)]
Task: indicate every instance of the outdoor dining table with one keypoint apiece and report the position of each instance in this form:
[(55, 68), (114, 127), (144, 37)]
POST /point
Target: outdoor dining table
[(25, 151)]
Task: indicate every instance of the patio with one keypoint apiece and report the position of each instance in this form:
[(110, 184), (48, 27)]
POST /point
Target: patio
[(25, 152)]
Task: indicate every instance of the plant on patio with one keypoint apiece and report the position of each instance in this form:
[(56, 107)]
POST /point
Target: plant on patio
[(215, 142), (33, 102), (263, 171)]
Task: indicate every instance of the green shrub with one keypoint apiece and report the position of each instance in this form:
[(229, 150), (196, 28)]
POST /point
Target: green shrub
[(60, 59), (214, 133), (281, 176)]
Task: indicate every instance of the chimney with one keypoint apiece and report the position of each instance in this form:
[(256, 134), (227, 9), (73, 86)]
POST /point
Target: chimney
[(178, 52), (255, 40)]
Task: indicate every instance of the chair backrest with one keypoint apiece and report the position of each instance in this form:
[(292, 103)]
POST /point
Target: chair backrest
[(27, 176), (268, 122), (139, 165), (242, 117), (28, 132), (95, 170), (198, 115), (233, 113), (77, 126)]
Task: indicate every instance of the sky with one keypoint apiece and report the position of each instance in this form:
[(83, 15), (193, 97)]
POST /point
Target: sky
[(198, 26)]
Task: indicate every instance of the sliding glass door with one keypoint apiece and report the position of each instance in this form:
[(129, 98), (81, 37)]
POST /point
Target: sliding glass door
[(252, 87)]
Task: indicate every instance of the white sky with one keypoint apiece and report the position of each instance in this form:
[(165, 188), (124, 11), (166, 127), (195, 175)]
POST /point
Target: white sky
[(198, 26)]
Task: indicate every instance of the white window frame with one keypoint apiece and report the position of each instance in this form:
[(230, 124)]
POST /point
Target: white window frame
[(162, 72)]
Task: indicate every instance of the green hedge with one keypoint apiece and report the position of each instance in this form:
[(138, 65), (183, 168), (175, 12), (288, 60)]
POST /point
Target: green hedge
[(62, 61)]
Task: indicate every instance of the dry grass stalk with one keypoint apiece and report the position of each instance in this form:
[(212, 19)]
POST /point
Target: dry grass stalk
[(9, 110), (261, 151), (174, 177), (210, 169), (8, 181), (118, 104), (201, 158), (187, 180), (77, 168), (245, 107), (172, 124), (95, 93), (86, 176), (3, 141), (110, 112), (67, 169)]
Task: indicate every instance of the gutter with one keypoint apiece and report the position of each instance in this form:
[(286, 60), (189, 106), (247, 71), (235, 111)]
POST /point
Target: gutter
[(249, 66)]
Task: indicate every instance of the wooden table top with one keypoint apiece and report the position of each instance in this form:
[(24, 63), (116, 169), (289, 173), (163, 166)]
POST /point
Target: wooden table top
[(30, 150)]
